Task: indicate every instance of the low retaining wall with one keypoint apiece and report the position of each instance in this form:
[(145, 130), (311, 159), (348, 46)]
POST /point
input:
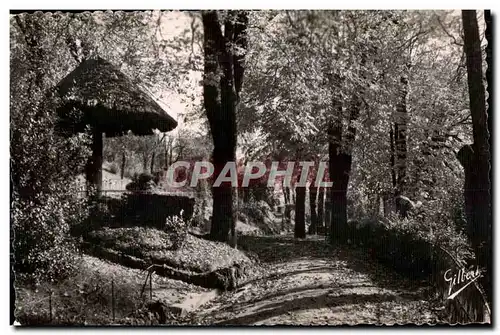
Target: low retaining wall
[(146, 209)]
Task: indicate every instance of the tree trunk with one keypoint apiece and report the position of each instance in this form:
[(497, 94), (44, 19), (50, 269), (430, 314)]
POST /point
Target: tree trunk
[(400, 128), (122, 168), (328, 211), (288, 193), (233, 239), (169, 153), (340, 160), (285, 192), (393, 159), (245, 195), (313, 192), (321, 202), (221, 113), (152, 170), (288, 210), (94, 164), (300, 211), (145, 162), (165, 154), (476, 158), (339, 166), (339, 169)]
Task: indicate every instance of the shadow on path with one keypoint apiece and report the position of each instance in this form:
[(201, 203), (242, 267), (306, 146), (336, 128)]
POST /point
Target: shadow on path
[(316, 302), (297, 290), (283, 249), (272, 249), (307, 281)]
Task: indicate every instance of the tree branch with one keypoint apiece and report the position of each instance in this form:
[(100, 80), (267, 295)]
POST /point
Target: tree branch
[(241, 42), (448, 33)]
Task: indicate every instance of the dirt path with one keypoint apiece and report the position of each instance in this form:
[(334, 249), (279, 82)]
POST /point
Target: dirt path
[(306, 282)]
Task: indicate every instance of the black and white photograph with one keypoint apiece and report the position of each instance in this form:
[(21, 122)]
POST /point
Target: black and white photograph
[(238, 167)]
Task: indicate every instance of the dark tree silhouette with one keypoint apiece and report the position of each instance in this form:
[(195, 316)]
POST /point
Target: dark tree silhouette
[(475, 158), (221, 98), (321, 212), (300, 210), (313, 192)]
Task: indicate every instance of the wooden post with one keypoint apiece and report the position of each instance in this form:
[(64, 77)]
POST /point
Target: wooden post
[(113, 298), (50, 306)]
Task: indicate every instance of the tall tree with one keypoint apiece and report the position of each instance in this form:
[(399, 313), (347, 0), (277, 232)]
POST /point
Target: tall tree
[(223, 78), (475, 158), (321, 211), (300, 208), (313, 193), (400, 141)]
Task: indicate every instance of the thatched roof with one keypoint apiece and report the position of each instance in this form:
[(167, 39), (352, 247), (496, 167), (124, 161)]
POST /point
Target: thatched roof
[(98, 94)]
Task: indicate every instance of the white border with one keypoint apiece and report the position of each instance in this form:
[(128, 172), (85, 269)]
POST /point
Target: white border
[(190, 4), (254, 4)]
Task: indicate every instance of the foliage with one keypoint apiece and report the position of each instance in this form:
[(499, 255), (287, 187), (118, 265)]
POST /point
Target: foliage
[(288, 93), (260, 214), (297, 67), (44, 48), (408, 245), (113, 168), (202, 208), (142, 182), (178, 230), (195, 254), (45, 202), (134, 241)]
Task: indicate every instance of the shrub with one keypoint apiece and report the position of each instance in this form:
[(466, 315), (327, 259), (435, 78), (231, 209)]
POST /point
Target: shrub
[(409, 245), (42, 244), (142, 182), (178, 230), (113, 168), (44, 198)]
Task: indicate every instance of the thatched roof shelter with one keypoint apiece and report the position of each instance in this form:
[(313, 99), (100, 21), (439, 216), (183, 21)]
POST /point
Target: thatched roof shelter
[(98, 94)]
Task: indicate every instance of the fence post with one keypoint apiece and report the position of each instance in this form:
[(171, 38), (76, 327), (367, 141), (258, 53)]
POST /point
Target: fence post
[(113, 298), (50, 306)]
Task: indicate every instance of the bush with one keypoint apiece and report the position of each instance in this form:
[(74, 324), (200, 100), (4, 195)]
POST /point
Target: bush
[(43, 248), (142, 182), (147, 209), (136, 241), (178, 230), (408, 245), (113, 168), (45, 201)]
